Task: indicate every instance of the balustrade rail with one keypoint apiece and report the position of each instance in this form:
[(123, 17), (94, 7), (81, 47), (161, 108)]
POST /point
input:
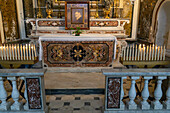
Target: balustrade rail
[(31, 100), (114, 96)]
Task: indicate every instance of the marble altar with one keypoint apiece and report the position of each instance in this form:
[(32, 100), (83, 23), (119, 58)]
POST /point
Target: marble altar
[(77, 51)]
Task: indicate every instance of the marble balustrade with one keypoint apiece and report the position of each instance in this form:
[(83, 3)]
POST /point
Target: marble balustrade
[(30, 99), (136, 102)]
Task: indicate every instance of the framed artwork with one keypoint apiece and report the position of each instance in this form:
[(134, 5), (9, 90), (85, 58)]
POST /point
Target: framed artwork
[(77, 15)]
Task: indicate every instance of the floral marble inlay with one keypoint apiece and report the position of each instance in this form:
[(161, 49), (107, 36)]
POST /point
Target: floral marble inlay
[(33, 92), (113, 92)]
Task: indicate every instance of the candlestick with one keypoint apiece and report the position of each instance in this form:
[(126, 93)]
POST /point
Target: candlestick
[(130, 55), (143, 52), (1, 53), (139, 51), (153, 51), (164, 53), (32, 50), (161, 53), (150, 52), (13, 52), (7, 55), (21, 51), (147, 49), (4, 52), (158, 53), (133, 52), (10, 56), (136, 52), (18, 51), (27, 51), (15, 49), (156, 49), (127, 54), (35, 51), (24, 51)]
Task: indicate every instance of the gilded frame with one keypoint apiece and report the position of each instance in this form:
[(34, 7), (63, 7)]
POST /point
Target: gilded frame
[(78, 8)]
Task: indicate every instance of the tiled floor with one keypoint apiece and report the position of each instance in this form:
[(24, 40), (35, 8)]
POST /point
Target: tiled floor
[(75, 103)]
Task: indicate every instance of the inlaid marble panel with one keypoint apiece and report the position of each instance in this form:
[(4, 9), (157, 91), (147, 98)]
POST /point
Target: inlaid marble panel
[(34, 93), (113, 92), (81, 54)]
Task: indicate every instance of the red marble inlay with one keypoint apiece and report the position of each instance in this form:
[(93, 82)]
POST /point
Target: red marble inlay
[(113, 92), (34, 93)]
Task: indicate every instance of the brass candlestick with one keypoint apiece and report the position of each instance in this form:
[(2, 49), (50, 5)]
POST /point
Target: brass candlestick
[(39, 14), (49, 12), (107, 12), (59, 8), (97, 9)]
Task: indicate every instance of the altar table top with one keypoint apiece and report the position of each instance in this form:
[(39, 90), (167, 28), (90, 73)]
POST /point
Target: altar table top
[(82, 37)]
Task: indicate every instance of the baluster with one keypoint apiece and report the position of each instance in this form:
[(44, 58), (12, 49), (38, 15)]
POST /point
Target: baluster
[(158, 94), (122, 105), (15, 94), (3, 95), (25, 95), (145, 94), (132, 94), (167, 102)]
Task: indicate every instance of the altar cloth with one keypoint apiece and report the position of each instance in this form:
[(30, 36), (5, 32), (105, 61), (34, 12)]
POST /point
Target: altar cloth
[(72, 38)]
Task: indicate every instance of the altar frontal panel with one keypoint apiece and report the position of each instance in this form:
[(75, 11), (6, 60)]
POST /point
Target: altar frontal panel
[(78, 54), (77, 15)]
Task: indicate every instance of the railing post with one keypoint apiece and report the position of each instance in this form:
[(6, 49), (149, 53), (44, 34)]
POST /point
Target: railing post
[(122, 105), (132, 94), (158, 94), (145, 94), (25, 95), (167, 102), (15, 94), (3, 95)]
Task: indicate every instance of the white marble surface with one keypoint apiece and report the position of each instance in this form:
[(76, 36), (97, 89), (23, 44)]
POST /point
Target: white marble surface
[(21, 72), (83, 37), (137, 72)]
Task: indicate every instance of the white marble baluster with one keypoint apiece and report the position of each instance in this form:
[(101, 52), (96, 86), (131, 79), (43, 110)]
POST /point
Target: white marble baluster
[(3, 96), (15, 94), (158, 94), (122, 105), (145, 94), (25, 95), (132, 94), (167, 102)]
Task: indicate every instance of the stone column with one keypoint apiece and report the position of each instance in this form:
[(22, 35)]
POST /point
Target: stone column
[(3, 96), (20, 14), (132, 94)]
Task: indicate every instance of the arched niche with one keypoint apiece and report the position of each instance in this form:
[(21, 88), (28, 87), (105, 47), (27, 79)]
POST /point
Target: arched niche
[(160, 29), (159, 19)]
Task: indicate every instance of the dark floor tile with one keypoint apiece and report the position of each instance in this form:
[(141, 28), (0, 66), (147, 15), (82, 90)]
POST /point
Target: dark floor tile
[(97, 108), (54, 109), (96, 98), (76, 109), (66, 103), (47, 103), (58, 98), (77, 98), (87, 103)]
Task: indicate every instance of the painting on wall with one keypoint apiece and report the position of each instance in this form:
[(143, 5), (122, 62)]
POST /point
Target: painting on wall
[(2, 39), (77, 15)]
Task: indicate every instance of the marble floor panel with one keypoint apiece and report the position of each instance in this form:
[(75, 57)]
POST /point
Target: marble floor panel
[(75, 103)]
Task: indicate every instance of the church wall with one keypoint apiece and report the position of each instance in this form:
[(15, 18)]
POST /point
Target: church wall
[(145, 19), (9, 15)]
